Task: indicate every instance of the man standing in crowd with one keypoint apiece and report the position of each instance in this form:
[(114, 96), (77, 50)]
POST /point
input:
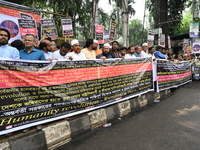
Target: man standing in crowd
[(76, 54), (144, 50), (114, 52), (151, 52), (105, 54), (45, 45), (158, 53), (145, 47), (122, 52), (53, 47), (7, 51), (62, 53), (96, 49), (88, 49), (130, 52), (137, 51), (30, 52)]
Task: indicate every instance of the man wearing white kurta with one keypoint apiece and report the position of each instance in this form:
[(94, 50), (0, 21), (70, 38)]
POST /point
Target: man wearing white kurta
[(76, 54)]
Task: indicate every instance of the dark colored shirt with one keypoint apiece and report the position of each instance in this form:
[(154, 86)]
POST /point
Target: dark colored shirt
[(115, 54), (35, 54), (107, 57)]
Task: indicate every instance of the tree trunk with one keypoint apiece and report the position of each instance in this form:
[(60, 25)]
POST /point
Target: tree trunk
[(164, 19), (125, 22)]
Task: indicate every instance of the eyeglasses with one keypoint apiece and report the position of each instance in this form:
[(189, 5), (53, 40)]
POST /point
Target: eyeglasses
[(28, 40)]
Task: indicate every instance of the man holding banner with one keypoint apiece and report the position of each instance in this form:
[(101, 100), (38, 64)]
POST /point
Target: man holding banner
[(7, 51)]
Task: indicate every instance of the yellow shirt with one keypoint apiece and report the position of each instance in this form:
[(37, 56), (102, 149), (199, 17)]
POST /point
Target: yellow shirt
[(90, 54)]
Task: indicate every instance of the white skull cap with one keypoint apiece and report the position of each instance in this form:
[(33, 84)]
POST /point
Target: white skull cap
[(95, 41), (106, 44), (144, 44), (74, 42)]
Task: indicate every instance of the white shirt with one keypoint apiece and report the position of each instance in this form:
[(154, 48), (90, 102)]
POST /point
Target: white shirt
[(75, 56), (48, 55), (153, 56), (127, 56), (56, 55), (7, 51), (143, 54)]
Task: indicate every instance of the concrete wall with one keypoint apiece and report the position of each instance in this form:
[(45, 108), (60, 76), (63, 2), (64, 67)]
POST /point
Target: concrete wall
[(60, 132)]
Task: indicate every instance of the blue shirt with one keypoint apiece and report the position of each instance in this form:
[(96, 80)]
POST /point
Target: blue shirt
[(158, 54), (100, 55), (35, 54), (7, 51), (136, 55)]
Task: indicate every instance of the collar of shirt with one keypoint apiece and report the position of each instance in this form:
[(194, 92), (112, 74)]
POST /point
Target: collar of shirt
[(4, 46), (33, 50)]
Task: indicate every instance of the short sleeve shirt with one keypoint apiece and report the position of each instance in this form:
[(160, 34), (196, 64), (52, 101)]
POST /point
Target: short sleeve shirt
[(35, 54)]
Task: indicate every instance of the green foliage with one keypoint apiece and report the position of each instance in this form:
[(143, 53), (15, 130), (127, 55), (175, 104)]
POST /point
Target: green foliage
[(174, 11), (184, 26), (137, 35), (80, 12), (104, 19)]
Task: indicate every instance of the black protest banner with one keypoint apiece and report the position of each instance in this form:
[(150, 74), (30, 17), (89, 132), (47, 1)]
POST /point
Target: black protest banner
[(99, 33), (196, 71), (171, 74), (25, 16), (27, 27), (67, 26), (33, 93), (112, 29), (49, 27)]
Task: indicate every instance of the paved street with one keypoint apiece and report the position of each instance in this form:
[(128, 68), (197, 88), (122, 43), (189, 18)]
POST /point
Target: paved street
[(172, 124)]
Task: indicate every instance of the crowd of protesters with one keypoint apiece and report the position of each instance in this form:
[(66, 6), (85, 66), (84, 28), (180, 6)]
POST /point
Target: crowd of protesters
[(47, 50)]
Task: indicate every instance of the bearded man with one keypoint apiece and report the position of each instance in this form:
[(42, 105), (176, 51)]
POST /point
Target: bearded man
[(7, 51), (76, 54)]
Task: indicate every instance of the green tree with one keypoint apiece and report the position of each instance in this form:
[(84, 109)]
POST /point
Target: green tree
[(167, 14), (80, 12), (184, 25), (135, 32)]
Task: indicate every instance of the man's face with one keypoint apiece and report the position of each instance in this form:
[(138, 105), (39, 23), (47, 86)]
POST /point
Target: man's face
[(3, 38), (138, 50), (29, 42), (106, 49), (53, 46), (63, 51), (145, 48), (48, 46), (152, 51), (76, 48), (163, 51), (123, 52), (132, 50), (115, 46), (95, 45)]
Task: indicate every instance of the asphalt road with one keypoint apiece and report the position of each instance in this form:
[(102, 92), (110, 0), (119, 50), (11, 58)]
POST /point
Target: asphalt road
[(172, 124)]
